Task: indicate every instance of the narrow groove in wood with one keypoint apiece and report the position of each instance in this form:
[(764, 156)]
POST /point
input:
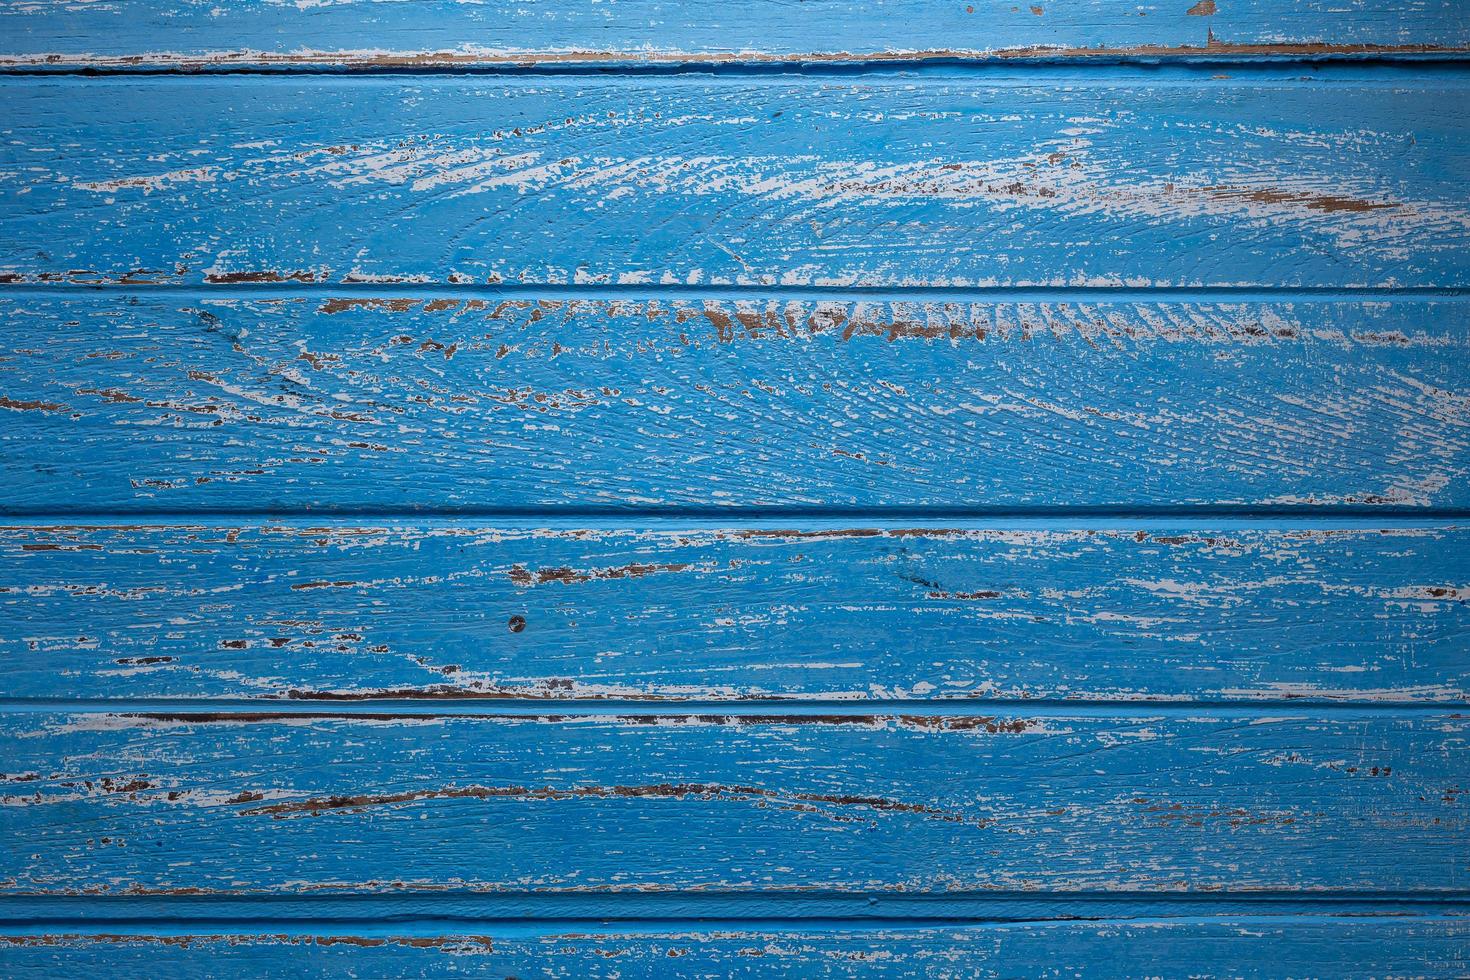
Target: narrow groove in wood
[(1451, 64), (762, 710), (679, 292), (735, 516), (528, 927), (831, 519), (989, 906), (331, 64)]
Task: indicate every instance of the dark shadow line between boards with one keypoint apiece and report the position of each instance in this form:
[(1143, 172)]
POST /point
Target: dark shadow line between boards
[(763, 710), (1143, 64), (263, 288)]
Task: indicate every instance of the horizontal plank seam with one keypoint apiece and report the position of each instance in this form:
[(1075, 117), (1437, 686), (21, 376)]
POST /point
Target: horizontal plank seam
[(1451, 68), (625, 518), (859, 522), (707, 904), (331, 63), (862, 520), (536, 927), (755, 710), (751, 292)]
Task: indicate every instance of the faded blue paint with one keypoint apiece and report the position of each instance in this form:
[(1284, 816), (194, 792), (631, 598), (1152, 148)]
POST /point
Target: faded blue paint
[(1346, 177), (860, 515), (477, 403), (1117, 611), (1266, 946), (1183, 799)]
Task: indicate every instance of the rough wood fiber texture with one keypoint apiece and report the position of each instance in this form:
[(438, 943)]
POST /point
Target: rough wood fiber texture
[(1339, 179), (465, 609), (1185, 800), (1249, 947), (645, 361), (340, 403), (442, 33)]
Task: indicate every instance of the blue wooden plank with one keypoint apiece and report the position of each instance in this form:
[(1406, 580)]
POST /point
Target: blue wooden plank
[(185, 33), (1345, 178), (1191, 800), (1246, 946), (674, 611), (441, 402)]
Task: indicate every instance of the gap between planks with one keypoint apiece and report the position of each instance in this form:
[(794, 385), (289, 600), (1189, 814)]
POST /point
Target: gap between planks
[(827, 521), (531, 928), (440, 912), (679, 292), (1165, 63), (763, 710), (1453, 68)]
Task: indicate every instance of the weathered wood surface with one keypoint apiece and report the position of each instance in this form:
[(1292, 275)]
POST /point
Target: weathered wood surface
[(1350, 177), (818, 610), (1247, 947), (645, 361), (1187, 800), (445, 403), (442, 33)]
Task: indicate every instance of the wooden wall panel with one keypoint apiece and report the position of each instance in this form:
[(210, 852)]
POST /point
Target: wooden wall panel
[(1111, 612), (646, 488), (1249, 947), (447, 34), (1192, 800), (439, 402), (1351, 178)]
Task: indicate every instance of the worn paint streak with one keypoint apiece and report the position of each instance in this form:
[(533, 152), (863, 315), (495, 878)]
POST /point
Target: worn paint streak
[(1311, 802), (1237, 945), (438, 402), (1274, 183), (481, 610), (568, 576), (670, 791)]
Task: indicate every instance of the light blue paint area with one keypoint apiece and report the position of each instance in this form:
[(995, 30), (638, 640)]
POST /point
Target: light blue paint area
[(644, 488), (1242, 946), (1178, 800), (651, 402), (1352, 178), (851, 615)]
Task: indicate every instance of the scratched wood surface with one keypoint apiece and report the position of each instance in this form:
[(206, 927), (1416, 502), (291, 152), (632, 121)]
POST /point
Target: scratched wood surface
[(444, 403), (643, 488), (1190, 800), (442, 33), (1249, 947), (465, 609), (1352, 177)]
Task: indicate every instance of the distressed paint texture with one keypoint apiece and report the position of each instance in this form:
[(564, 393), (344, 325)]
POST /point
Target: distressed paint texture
[(464, 609), (444, 33), (1247, 947), (646, 488), (442, 403), (1183, 800), (1337, 179)]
